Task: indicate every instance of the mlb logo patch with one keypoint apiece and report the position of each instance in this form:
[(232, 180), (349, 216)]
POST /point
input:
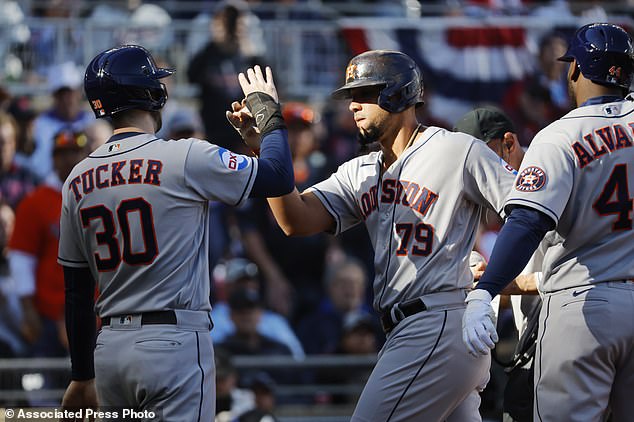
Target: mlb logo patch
[(531, 179), (611, 110), (114, 147), (125, 320)]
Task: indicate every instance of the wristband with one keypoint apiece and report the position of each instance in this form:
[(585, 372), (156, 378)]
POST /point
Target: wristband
[(265, 111)]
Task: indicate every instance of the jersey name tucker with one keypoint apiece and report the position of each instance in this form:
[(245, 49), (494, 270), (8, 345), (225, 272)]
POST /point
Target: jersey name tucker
[(408, 194), (599, 142), (117, 173)]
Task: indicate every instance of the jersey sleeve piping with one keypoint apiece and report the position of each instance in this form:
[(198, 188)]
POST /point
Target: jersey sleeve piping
[(71, 263), (596, 115), (324, 200), (249, 184), (533, 205), (464, 166)]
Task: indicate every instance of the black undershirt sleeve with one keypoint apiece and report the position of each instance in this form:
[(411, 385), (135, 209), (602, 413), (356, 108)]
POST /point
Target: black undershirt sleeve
[(80, 321)]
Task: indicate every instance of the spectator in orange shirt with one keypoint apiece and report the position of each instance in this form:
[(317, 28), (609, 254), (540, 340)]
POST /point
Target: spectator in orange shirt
[(38, 277)]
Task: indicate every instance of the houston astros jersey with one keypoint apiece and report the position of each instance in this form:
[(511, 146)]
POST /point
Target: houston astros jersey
[(578, 171), (422, 213), (136, 213)]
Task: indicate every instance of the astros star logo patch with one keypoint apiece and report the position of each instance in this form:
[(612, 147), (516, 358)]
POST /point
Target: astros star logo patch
[(351, 72), (531, 179)]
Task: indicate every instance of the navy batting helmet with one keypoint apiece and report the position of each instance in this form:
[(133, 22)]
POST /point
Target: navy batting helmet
[(604, 53), (396, 73), (124, 78)]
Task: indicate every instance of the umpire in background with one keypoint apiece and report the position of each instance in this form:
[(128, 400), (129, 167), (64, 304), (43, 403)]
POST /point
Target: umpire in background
[(495, 128)]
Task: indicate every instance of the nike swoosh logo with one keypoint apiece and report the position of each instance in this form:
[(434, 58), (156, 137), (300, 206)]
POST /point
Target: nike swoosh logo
[(577, 293)]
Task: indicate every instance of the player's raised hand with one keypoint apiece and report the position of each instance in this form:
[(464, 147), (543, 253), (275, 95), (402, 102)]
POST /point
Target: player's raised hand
[(255, 81), (261, 100)]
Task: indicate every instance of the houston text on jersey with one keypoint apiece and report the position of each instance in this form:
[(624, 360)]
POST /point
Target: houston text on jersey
[(402, 192), (117, 173)]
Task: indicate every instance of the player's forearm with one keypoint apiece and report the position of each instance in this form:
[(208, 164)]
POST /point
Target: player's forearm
[(287, 211), (524, 284), (80, 322), (275, 175), (513, 248), (300, 214)]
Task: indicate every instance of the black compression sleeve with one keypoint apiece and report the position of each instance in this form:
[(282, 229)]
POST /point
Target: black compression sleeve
[(275, 175), (80, 321), (514, 246)]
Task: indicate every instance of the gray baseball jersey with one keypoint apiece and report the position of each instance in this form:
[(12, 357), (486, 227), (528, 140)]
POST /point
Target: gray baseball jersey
[(576, 171), (422, 215), (135, 212)]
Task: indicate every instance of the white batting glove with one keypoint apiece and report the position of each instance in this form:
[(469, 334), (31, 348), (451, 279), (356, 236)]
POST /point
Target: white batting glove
[(478, 323)]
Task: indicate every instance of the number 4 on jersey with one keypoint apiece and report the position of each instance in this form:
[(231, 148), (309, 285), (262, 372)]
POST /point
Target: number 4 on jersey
[(622, 205)]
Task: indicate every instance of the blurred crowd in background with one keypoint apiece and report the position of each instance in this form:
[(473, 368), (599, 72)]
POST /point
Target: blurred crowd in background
[(272, 295)]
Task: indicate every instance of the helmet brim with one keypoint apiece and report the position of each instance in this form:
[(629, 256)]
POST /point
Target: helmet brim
[(163, 73), (566, 58), (343, 93)]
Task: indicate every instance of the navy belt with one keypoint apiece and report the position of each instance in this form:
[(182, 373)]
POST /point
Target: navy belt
[(400, 311), (148, 318)]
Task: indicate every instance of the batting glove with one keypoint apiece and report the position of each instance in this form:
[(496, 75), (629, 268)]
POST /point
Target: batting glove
[(478, 323)]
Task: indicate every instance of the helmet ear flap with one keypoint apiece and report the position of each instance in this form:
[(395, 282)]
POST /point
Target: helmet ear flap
[(108, 85), (390, 99), (395, 98)]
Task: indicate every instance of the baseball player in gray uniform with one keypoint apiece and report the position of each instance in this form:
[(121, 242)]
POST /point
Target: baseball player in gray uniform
[(420, 198), (135, 219), (575, 177)]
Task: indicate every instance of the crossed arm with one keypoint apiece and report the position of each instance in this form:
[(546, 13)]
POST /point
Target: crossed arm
[(523, 284)]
